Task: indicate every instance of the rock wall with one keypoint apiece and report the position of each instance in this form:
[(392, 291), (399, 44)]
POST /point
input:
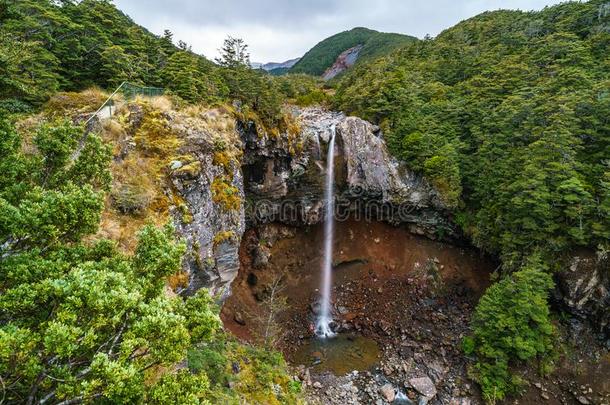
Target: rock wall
[(583, 289), (289, 188), (211, 230), (279, 178)]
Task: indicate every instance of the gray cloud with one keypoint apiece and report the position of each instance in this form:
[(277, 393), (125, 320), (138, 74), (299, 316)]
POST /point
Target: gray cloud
[(282, 29)]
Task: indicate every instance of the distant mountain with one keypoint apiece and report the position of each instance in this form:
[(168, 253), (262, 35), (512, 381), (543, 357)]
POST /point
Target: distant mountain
[(363, 43), (271, 66)]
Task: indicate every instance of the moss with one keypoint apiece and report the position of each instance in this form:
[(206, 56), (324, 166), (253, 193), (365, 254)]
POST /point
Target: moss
[(223, 159), (178, 280), (225, 194), (155, 136), (72, 104), (187, 216), (192, 169), (223, 236)]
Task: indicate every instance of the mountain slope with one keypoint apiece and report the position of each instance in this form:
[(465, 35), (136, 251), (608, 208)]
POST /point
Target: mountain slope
[(322, 56), (507, 114)]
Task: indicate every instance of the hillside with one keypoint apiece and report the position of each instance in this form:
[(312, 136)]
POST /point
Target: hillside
[(182, 248), (322, 56), (46, 46), (507, 114), (507, 100)]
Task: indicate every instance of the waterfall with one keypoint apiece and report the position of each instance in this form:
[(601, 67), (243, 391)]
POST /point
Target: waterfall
[(323, 328)]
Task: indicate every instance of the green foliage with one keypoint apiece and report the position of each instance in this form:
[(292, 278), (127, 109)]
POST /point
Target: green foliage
[(254, 375), (83, 323), (507, 113), (511, 323), (181, 387), (324, 54), (234, 53), (192, 78), (47, 46), (46, 198), (301, 89)]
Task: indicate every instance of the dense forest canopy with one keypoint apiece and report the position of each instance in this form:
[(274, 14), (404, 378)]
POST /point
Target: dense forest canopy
[(507, 113), (48, 46)]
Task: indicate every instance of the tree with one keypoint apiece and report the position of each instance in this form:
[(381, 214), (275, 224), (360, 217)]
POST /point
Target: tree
[(234, 53), (189, 78), (511, 323), (81, 321), (117, 66)]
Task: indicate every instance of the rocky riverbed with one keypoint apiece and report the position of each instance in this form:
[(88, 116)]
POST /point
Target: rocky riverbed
[(412, 296)]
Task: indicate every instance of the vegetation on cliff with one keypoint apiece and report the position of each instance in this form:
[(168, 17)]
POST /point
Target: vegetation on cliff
[(82, 321), (507, 114)]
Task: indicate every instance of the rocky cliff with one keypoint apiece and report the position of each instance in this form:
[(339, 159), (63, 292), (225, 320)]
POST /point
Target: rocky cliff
[(583, 289), (215, 176), (346, 60), (279, 179)]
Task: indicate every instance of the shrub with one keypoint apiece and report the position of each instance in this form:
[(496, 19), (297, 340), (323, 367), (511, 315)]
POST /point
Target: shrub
[(15, 106), (511, 324), (131, 198), (211, 360)]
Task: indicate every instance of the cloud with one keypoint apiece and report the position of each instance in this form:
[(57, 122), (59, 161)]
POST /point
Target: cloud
[(278, 30)]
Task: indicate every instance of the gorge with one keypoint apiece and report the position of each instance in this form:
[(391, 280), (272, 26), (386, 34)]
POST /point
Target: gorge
[(406, 280), (386, 220)]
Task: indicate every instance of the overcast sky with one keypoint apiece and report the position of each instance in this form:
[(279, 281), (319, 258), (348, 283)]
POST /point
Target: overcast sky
[(277, 30)]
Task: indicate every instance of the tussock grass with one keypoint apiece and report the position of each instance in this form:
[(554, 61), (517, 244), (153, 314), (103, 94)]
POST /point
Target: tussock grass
[(73, 104)]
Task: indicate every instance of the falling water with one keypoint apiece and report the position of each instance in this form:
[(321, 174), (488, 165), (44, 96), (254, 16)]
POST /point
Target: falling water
[(323, 328), (318, 147)]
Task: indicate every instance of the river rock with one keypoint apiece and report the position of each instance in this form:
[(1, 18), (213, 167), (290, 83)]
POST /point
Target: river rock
[(388, 392), (424, 386)]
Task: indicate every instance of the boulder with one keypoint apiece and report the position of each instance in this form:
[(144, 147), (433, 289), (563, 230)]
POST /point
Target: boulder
[(388, 392), (424, 386)]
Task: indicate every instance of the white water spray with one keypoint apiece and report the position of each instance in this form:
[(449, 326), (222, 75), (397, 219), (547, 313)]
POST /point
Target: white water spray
[(323, 328)]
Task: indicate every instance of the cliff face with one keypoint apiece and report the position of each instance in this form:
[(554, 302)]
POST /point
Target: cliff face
[(583, 289), (211, 184), (346, 60), (215, 177), (280, 179), (289, 188)]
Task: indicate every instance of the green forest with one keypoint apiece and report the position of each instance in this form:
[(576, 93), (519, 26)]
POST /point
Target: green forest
[(506, 113), (374, 44)]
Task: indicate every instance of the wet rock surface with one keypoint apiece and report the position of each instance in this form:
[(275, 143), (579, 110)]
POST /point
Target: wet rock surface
[(288, 187)]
